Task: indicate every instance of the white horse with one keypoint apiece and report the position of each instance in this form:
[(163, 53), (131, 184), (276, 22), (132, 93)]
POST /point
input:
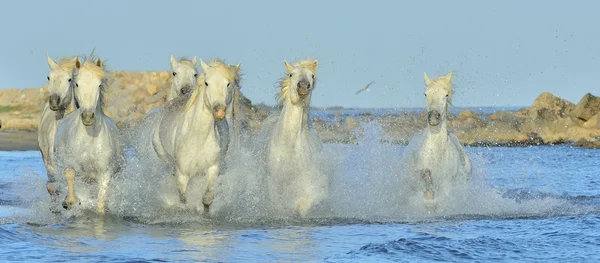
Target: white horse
[(186, 135), (435, 160), (292, 149), (87, 142), (184, 79), (60, 89)]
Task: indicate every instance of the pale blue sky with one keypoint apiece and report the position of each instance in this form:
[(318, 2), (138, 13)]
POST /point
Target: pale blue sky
[(504, 52)]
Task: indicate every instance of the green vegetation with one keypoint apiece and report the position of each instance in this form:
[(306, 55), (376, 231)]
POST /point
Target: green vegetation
[(10, 108)]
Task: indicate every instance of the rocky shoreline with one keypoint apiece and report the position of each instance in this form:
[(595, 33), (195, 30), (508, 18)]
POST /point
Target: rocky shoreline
[(549, 121)]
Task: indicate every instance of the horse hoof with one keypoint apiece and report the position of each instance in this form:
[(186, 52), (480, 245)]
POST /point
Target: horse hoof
[(182, 199), (208, 198), (68, 205)]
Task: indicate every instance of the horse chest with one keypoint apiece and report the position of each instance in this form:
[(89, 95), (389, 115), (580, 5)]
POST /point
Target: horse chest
[(195, 155), (437, 156)]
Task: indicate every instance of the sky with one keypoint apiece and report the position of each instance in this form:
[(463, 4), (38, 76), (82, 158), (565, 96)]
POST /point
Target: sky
[(503, 53)]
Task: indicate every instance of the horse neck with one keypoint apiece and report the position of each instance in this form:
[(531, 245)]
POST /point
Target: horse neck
[(438, 135), (199, 114), (293, 121)]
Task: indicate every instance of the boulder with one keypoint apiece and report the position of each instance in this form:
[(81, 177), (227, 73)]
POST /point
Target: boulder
[(549, 107), (151, 89), (587, 107), (590, 144)]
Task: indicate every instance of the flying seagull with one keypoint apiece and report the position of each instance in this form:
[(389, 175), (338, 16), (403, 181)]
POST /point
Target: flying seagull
[(366, 88)]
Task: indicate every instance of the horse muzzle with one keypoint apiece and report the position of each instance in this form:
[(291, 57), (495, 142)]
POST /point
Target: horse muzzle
[(186, 89), (219, 113), (303, 88), (434, 118), (54, 102), (88, 118)]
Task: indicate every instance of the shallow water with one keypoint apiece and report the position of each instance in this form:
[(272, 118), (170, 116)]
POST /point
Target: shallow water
[(523, 204)]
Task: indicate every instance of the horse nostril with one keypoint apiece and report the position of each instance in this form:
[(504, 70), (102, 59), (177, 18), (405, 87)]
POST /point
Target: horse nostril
[(303, 84)]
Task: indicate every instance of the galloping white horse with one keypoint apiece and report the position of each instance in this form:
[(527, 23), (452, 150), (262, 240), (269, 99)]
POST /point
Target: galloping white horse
[(292, 148), (435, 159), (87, 141), (60, 89), (184, 79), (186, 135)]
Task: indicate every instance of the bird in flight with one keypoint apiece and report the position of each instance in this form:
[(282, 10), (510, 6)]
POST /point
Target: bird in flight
[(366, 88)]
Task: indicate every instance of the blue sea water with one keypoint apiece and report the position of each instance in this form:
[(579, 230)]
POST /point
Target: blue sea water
[(537, 204)]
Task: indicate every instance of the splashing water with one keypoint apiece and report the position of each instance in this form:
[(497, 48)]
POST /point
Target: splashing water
[(364, 185)]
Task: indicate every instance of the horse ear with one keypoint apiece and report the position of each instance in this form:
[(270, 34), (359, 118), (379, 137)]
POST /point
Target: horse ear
[(427, 80), (99, 62), (288, 68), (173, 61), (314, 65), (77, 63), (236, 68), (51, 62), (194, 60), (448, 77), (204, 66)]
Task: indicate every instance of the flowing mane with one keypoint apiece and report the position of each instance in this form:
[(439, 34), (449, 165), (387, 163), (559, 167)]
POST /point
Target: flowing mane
[(101, 72), (67, 64), (187, 62), (284, 83), (224, 69)]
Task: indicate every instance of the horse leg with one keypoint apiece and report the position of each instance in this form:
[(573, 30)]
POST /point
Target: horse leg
[(429, 193), (51, 184), (50, 187), (71, 199), (211, 176), (103, 181), (182, 183)]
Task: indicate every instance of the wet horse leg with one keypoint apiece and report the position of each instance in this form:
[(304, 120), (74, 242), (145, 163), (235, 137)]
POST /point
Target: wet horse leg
[(71, 199), (103, 182), (211, 176), (182, 183), (429, 194)]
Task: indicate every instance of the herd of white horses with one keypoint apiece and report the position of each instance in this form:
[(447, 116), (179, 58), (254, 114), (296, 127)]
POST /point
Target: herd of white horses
[(197, 126)]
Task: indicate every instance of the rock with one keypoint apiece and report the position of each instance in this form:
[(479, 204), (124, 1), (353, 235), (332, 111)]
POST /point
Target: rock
[(139, 95), (466, 120), (591, 144), (593, 122), (549, 107), (587, 107), (466, 114), (351, 123), (151, 89)]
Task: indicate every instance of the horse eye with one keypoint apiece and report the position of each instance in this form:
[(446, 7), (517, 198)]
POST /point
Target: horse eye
[(196, 75), (228, 84), (77, 85), (313, 76), (425, 94), (48, 77), (174, 74), (205, 84), (69, 80), (290, 75), (446, 95)]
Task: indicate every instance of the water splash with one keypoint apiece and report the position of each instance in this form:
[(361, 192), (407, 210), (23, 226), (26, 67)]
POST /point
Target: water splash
[(364, 186)]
